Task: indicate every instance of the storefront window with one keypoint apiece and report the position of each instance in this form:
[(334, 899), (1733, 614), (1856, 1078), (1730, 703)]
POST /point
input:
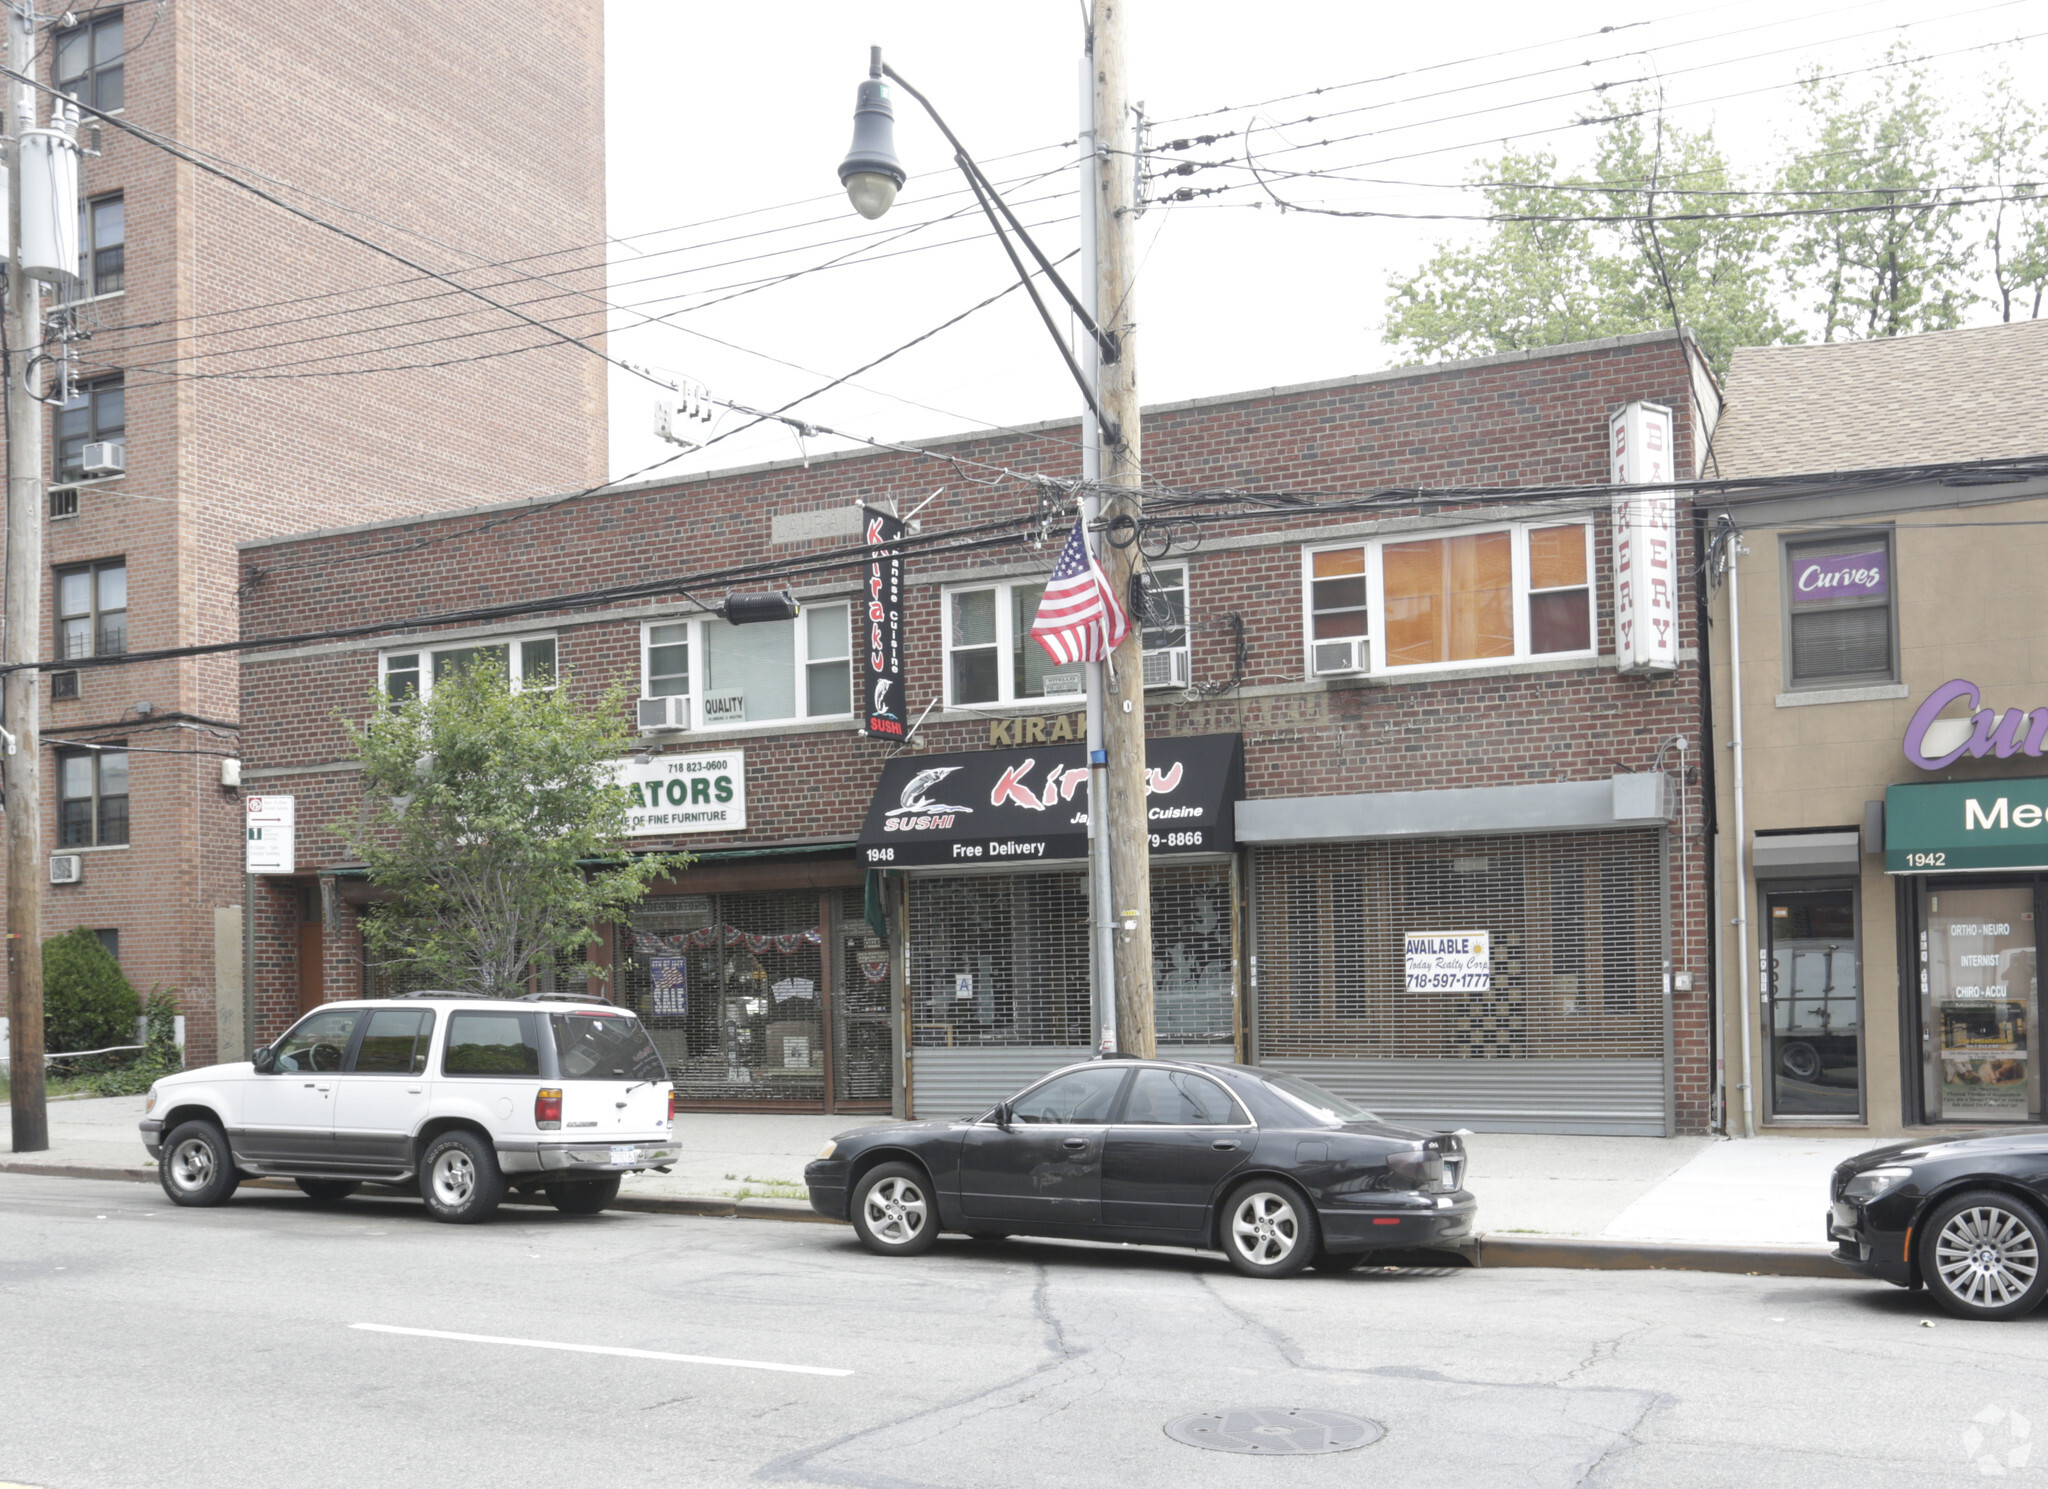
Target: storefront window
[(1815, 999), (1979, 958)]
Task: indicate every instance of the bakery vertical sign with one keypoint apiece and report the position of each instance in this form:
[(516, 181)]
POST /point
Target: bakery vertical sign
[(881, 631), (1639, 447)]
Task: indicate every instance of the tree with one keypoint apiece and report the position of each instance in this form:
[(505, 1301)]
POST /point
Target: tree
[(2009, 157), (494, 820), (88, 1002), (1881, 252), (1646, 238)]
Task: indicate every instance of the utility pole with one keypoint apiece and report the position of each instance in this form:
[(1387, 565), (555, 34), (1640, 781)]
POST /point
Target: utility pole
[(1128, 826), (22, 639)]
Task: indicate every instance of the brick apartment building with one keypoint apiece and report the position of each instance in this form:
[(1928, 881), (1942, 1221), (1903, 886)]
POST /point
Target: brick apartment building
[(265, 376), (1403, 722)]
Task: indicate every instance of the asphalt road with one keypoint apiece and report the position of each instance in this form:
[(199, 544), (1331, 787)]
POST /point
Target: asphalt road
[(150, 1346)]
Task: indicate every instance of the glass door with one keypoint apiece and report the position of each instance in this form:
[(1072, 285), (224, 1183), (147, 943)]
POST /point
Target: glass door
[(1977, 957), (1813, 998)]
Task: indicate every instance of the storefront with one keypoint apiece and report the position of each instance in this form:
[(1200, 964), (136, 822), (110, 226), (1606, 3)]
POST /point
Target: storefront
[(1495, 958), (1972, 859), (987, 853)]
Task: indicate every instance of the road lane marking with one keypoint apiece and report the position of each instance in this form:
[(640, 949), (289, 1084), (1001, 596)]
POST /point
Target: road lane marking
[(603, 1349)]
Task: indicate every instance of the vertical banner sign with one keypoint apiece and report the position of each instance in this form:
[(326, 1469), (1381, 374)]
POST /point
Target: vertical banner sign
[(1645, 540), (886, 713), (272, 833)]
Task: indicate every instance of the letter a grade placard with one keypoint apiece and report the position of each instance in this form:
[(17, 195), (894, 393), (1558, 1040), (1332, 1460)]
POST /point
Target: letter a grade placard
[(272, 834)]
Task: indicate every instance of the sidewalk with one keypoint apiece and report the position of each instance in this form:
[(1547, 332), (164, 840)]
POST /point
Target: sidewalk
[(1758, 1204)]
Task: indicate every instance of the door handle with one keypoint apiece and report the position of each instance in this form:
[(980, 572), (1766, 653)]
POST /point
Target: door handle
[(1225, 1145), (1074, 1144), (412, 1090)]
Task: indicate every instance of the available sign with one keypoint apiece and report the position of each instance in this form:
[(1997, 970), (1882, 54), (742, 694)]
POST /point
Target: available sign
[(1449, 962), (1956, 825), (273, 835), (670, 794)]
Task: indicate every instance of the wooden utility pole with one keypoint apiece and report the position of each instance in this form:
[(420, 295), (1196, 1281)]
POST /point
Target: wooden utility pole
[(22, 639), (1124, 685)]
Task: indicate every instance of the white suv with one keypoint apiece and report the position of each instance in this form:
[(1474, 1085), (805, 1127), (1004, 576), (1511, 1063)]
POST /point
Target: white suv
[(470, 1097)]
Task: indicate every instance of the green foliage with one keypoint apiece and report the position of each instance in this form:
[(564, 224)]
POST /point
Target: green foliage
[(88, 1003), (484, 809), (2009, 152), (132, 1074), (1891, 268)]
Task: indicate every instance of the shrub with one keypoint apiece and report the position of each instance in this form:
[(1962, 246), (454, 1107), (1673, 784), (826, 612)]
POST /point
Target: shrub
[(88, 1004), (132, 1074)]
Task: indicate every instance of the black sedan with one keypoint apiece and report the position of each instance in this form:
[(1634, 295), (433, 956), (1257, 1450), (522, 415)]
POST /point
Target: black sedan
[(1959, 1215), (1274, 1172)]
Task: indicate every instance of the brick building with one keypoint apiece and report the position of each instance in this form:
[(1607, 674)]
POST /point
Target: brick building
[(1423, 700), (264, 375)]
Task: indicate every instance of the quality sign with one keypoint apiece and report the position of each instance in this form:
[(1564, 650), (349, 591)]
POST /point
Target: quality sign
[(671, 794)]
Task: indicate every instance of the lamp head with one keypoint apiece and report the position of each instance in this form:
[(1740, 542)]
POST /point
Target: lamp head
[(871, 173)]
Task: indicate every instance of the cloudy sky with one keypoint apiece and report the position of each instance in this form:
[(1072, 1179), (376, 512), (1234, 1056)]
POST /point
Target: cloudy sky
[(726, 125)]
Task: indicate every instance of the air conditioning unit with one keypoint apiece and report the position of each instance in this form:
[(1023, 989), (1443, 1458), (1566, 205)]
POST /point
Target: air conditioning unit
[(661, 715), (104, 458), (67, 868), (1167, 668), (1346, 655)]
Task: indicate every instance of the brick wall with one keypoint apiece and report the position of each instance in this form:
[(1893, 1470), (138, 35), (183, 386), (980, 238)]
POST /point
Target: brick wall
[(1509, 422)]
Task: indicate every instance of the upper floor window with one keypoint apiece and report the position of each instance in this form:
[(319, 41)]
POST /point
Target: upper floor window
[(92, 798), (92, 609), (95, 414), (102, 245), (1502, 594), (990, 656), (89, 60), (1840, 611), (405, 674), (766, 672)]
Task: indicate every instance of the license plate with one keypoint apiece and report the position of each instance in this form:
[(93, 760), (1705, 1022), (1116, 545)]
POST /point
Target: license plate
[(625, 1155), (1844, 1218)]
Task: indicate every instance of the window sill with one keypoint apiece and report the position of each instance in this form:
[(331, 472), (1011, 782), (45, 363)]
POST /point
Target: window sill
[(968, 712), (1872, 694), (97, 848), (90, 300)]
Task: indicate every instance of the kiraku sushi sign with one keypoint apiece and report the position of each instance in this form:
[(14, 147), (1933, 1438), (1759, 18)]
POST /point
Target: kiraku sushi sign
[(685, 793)]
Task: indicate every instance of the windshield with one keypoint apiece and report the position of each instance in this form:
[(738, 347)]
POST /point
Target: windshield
[(606, 1046), (1327, 1105)]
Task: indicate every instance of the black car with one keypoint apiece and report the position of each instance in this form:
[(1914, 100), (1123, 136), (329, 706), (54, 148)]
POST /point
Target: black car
[(1960, 1215), (1274, 1172)]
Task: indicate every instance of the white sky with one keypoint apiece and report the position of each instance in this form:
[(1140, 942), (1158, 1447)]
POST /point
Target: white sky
[(747, 109)]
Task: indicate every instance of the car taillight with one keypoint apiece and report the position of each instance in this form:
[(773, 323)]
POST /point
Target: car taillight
[(671, 1104), (1417, 1168), (547, 1108)]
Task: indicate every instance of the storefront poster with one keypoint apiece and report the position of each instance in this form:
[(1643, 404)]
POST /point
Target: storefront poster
[(670, 976), (669, 794), (1448, 961), (1031, 806), (881, 647)]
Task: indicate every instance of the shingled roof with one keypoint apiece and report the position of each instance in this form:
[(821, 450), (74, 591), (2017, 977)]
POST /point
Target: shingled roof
[(1979, 394)]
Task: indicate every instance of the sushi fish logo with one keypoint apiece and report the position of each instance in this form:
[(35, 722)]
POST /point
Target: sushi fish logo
[(913, 800)]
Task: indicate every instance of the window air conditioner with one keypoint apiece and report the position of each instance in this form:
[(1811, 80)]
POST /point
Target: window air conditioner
[(1167, 668), (1346, 655), (104, 458), (664, 714), (67, 868)]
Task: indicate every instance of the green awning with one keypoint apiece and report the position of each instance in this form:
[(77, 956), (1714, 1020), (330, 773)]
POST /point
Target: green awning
[(1958, 826)]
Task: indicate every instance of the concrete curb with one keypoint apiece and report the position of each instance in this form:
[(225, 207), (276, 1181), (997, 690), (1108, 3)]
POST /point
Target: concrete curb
[(1576, 1253)]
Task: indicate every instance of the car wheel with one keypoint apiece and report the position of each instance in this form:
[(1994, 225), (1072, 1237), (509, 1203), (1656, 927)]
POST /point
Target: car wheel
[(1981, 1255), (1269, 1229), (197, 1168), (894, 1210), (1339, 1261), (1800, 1061), (328, 1191), (584, 1196), (460, 1179)]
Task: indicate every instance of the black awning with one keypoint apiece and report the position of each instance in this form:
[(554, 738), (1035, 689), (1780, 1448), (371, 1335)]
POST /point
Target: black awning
[(1023, 806)]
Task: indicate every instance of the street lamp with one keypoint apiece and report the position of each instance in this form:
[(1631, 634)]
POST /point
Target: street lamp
[(871, 173)]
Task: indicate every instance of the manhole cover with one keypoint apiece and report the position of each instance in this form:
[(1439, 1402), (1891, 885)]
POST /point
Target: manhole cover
[(1275, 1429)]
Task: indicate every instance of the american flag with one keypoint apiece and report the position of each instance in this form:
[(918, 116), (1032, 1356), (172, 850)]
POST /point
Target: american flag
[(1079, 619)]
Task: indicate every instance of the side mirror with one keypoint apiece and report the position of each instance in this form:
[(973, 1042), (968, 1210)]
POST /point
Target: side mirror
[(1003, 1118), (263, 1059)]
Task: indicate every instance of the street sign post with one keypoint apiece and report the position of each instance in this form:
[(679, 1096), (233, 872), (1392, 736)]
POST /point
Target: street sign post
[(273, 835)]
